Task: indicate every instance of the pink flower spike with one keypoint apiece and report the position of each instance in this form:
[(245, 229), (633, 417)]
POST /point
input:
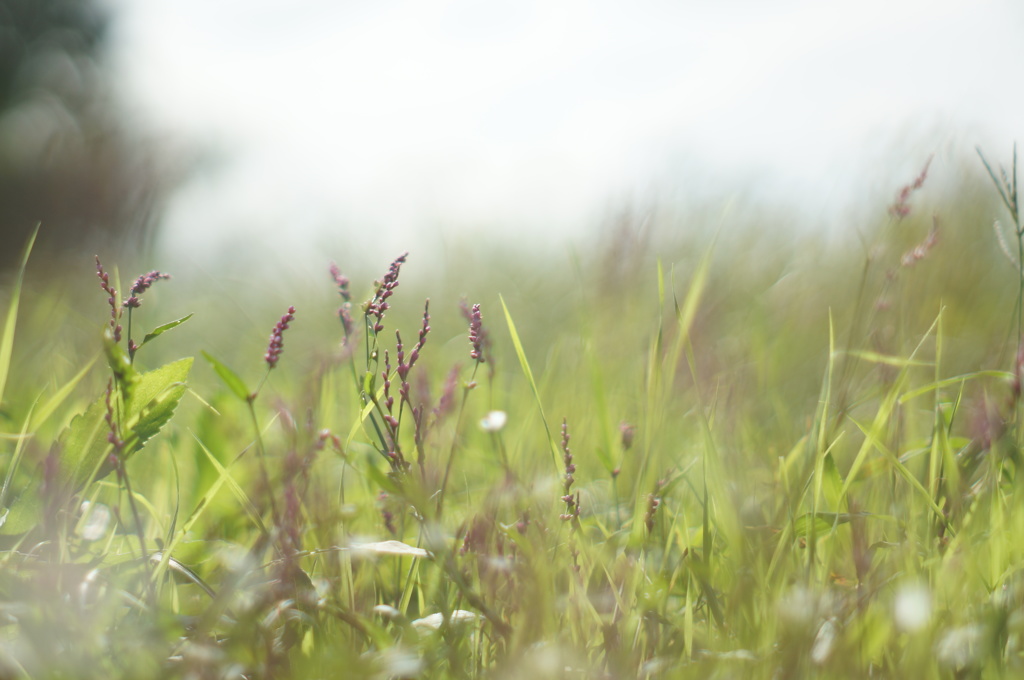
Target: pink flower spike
[(276, 345)]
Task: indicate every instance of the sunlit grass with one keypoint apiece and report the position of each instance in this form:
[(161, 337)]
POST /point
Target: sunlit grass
[(718, 458)]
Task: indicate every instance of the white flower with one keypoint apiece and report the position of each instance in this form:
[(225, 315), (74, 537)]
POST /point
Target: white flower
[(434, 621), (824, 641), (390, 548), (96, 519), (913, 608), (958, 646), (387, 611), (494, 421)]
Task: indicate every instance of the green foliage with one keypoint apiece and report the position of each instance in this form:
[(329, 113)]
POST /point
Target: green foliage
[(788, 464)]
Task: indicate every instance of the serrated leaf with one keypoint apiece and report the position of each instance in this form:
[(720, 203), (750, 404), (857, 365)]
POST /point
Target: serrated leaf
[(157, 394), (84, 447), (229, 377), (160, 330)]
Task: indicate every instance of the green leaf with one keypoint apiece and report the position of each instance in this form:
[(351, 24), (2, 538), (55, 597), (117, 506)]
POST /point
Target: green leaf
[(230, 378), (831, 482), (83, 445), (824, 521), (160, 330), (524, 364), (152, 404), (7, 339)]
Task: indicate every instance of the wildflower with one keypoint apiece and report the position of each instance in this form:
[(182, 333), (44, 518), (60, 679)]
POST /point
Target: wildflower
[(435, 621), (652, 507), (913, 608), (494, 421), (391, 548), (378, 304), (115, 312), (572, 502), (476, 335), (911, 257), (345, 311), (900, 208), (627, 432), (95, 521), (825, 641), (142, 284), (276, 345)]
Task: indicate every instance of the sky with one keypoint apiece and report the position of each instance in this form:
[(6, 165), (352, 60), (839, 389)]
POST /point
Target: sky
[(387, 125)]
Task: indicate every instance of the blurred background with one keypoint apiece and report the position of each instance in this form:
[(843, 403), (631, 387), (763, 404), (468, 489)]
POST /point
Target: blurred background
[(292, 133)]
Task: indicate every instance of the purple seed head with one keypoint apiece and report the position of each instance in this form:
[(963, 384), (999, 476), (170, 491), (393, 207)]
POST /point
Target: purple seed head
[(276, 345), (115, 311), (378, 304), (476, 335), (140, 286), (627, 432), (342, 282), (900, 207)]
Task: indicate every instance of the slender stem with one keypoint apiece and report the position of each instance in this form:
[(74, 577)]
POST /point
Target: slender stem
[(455, 441), (261, 455)]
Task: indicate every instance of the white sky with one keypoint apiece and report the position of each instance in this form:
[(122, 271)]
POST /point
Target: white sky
[(400, 117)]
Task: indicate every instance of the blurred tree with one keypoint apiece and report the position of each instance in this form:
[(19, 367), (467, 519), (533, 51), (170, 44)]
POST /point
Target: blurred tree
[(67, 157)]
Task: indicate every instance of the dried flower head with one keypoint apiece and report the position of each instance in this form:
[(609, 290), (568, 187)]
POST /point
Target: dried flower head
[(378, 304), (627, 433), (140, 286), (921, 250), (345, 310), (572, 502), (901, 207), (115, 311), (276, 345), (479, 341)]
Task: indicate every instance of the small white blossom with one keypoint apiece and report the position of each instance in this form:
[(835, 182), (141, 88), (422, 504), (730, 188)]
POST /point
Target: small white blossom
[(396, 548), (958, 646), (96, 519), (494, 421), (434, 621), (824, 642), (913, 608)]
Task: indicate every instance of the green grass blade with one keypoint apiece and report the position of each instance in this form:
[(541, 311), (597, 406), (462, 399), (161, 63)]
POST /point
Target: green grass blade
[(525, 366), (7, 339)]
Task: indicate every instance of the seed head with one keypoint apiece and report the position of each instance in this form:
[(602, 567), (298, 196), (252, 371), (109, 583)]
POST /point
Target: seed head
[(276, 345), (140, 286)]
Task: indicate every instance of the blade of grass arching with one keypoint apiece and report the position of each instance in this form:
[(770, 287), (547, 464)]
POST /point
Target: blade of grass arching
[(872, 439), (686, 314), (236, 489), (604, 450), (651, 407), (950, 465), (656, 342), (888, 360), (999, 184), (58, 397), (946, 382), (7, 339), (19, 450), (938, 426), (885, 409), (821, 448), (525, 366)]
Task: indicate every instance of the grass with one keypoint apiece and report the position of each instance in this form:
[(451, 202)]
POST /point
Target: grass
[(713, 458)]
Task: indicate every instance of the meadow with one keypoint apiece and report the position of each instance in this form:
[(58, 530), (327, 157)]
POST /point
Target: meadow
[(672, 453)]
